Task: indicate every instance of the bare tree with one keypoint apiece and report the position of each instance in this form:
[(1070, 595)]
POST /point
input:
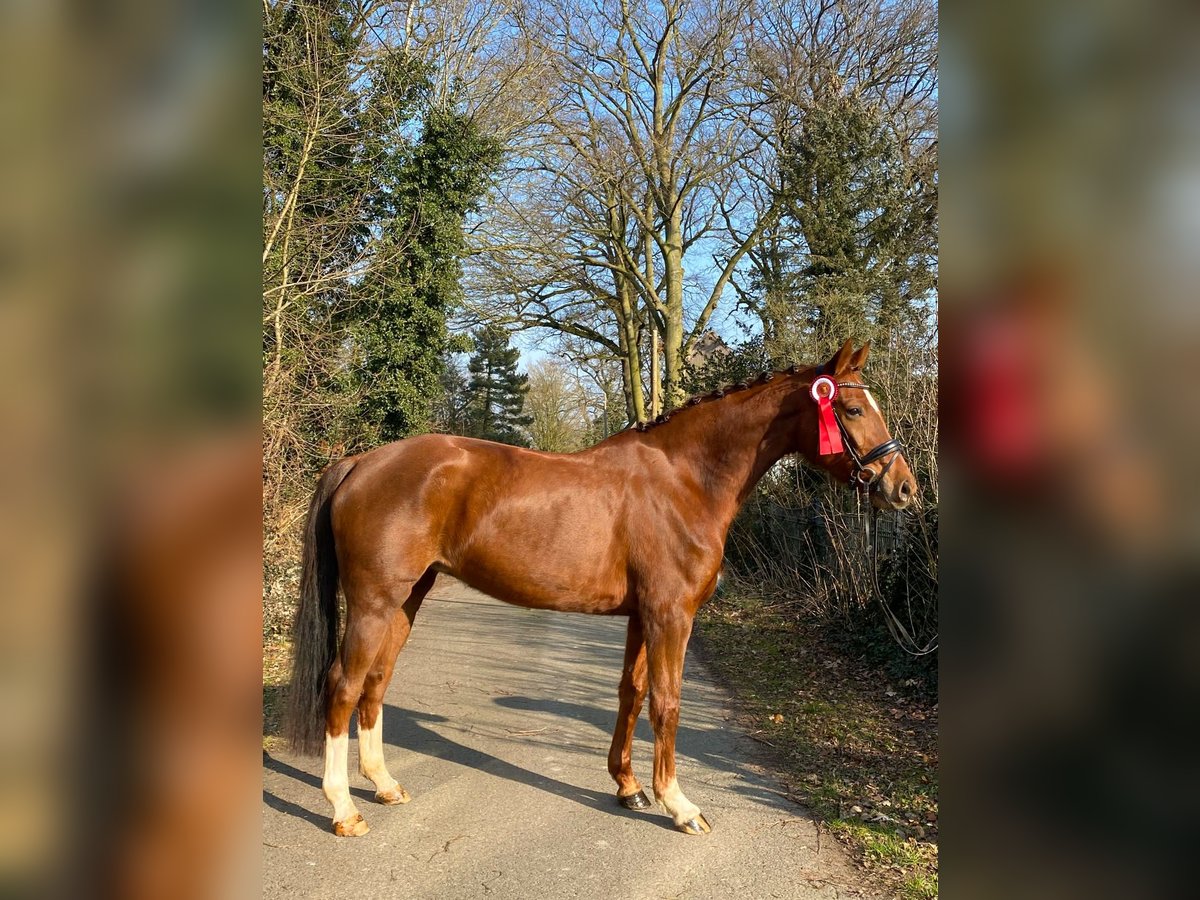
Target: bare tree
[(884, 52), (643, 139), (559, 408), (313, 216), (643, 177), (479, 61)]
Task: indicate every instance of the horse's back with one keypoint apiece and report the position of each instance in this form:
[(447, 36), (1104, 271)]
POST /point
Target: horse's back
[(531, 528)]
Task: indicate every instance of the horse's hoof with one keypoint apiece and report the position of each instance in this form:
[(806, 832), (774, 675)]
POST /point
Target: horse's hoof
[(394, 796), (635, 801), (355, 826), (698, 825)]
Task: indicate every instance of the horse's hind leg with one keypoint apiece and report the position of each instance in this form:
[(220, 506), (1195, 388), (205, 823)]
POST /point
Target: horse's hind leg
[(366, 631), (371, 762), (632, 693), (370, 611)]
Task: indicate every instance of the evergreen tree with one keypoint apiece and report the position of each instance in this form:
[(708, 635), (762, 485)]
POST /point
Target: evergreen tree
[(497, 391), (450, 411), (400, 334), (855, 251)]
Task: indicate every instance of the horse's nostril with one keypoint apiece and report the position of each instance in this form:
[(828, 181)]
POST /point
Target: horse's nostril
[(906, 489)]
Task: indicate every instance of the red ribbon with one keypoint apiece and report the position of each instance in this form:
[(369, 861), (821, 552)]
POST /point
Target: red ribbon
[(829, 437)]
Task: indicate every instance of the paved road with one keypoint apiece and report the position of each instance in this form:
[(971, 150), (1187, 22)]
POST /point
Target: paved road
[(497, 722)]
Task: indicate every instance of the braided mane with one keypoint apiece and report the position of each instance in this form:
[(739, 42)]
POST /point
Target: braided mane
[(715, 395)]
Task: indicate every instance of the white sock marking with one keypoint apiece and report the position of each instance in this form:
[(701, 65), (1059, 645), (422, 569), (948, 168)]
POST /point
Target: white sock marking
[(680, 807), (370, 756), (336, 782)]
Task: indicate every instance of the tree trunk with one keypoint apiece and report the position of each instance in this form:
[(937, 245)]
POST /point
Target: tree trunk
[(631, 351), (673, 334), (655, 384)]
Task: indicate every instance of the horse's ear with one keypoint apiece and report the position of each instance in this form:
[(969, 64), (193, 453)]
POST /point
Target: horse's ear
[(841, 360), (860, 358)]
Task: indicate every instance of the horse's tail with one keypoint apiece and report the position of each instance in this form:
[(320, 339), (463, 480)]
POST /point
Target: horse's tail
[(315, 629)]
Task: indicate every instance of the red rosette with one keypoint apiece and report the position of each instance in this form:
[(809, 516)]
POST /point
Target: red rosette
[(823, 388), (829, 438)]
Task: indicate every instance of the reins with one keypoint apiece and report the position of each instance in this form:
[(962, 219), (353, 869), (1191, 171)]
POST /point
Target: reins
[(901, 635), (863, 487)]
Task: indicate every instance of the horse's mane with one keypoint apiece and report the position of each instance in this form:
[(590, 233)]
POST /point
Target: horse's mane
[(717, 394)]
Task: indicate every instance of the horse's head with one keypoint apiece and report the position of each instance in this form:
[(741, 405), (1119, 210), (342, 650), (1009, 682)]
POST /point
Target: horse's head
[(869, 457)]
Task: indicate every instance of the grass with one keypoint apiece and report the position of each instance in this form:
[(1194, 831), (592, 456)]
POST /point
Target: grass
[(856, 746)]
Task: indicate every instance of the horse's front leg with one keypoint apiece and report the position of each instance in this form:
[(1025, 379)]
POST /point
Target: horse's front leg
[(632, 693), (666, 643)]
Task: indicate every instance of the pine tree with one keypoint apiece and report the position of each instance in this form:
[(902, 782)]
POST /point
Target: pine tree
[(497, 390), (856, 246), (451, 408)]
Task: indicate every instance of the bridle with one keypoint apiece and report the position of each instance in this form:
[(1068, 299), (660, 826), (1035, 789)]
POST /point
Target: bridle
[(862, 477)]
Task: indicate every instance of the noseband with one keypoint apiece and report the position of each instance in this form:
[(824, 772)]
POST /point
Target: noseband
[(862, 477)]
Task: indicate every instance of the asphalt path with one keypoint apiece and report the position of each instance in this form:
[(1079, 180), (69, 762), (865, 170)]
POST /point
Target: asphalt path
[(497, 722)]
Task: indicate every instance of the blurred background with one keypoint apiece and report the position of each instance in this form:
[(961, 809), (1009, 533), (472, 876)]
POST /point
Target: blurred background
[(150, 416), (130, 524), (1071, 163)]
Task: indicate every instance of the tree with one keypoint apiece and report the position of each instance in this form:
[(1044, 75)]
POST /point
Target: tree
[(641, 142), (497, 391), (861, 220), (598, 378), (315, 215), (849, 118), (558, 409), (653, 181), (450, 412), (399, 336), (369, 173)]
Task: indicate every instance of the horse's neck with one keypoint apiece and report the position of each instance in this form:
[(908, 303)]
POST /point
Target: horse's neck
[(739, 439)]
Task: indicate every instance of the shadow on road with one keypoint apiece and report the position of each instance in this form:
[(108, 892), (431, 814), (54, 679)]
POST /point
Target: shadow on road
[(591, 652), (713, 748), (403, 728), (322, 819), (294, 810)]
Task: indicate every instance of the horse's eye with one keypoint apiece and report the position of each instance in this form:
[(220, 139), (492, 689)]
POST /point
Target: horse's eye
[(854, 411)]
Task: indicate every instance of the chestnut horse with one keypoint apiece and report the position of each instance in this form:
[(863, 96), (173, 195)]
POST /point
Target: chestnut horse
[(634, 526)]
